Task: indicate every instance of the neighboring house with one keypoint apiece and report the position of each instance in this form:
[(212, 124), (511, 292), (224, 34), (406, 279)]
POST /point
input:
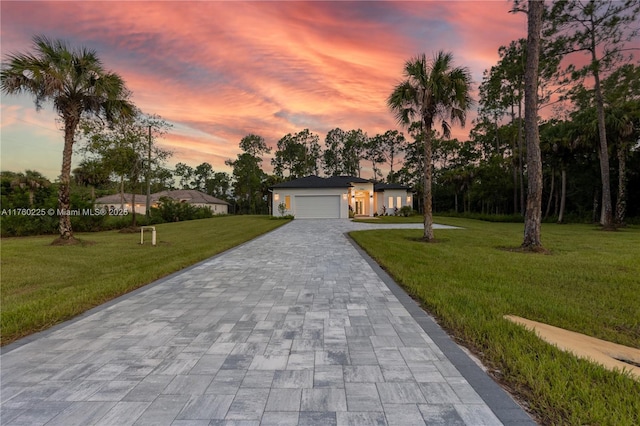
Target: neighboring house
[(314, 197), (193, 197), (122, 202)]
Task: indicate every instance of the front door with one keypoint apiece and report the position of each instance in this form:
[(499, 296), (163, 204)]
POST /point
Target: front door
[(362, 203)]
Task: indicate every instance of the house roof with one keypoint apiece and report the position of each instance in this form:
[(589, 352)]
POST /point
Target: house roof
[(380, 187), (336, 182), (116, 198), (188, 195), (314, 182), (350, 179)]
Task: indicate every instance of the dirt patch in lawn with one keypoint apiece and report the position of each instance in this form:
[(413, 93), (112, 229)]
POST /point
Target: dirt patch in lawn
[(610, 355)]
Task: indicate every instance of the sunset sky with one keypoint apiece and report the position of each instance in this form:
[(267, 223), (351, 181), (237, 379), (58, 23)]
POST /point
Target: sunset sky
[(218, 71)]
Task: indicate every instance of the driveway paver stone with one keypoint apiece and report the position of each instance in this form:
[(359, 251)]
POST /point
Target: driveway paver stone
[(296, 327)]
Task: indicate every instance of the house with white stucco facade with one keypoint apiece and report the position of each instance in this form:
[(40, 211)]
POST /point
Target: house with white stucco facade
[(315, 197)]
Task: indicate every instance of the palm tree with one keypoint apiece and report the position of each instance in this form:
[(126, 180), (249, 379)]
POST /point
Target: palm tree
[(91, 173), (433, 90), (77, 83)]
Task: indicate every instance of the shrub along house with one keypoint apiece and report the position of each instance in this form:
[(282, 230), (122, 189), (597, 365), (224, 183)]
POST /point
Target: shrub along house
[(314, 197)]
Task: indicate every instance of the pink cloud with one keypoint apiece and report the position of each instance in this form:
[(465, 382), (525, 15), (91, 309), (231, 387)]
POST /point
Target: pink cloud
[(221, 70)]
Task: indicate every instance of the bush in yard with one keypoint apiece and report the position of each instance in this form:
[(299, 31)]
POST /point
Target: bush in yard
[(20, 225), (86, 222), (285, 217), (406, 211), (174, 211)]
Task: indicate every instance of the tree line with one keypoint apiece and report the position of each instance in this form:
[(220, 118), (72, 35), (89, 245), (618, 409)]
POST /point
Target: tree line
[(297, 155), (514, 162)]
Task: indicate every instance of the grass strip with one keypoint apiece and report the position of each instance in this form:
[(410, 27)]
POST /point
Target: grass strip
[(43, 285), (391, 219), (588, 283)]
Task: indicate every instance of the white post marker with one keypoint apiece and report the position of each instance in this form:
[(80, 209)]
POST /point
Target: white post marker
[(153, 234)]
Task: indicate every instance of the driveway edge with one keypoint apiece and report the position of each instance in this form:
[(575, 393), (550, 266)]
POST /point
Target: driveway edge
[(498, 400)]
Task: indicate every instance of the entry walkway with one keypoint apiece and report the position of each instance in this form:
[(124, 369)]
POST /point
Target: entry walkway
[(294, 327)]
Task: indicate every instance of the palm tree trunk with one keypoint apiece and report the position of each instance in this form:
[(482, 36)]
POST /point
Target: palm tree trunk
[(64, 196), (428, 181)]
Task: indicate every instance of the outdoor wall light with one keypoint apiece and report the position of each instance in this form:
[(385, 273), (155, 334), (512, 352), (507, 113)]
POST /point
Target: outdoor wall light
[(276, 197), (408, 199), (344, 196)]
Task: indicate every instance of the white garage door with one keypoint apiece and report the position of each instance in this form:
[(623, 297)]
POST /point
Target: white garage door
[(317, 206)]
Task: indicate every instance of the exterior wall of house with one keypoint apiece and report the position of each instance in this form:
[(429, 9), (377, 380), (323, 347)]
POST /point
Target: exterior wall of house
[(389, 200), (219, 208), (287, 197), (215, 208), (379, 203)]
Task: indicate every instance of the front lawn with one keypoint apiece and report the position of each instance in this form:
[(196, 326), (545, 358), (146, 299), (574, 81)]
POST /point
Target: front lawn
[(43, 285), (588, 283)]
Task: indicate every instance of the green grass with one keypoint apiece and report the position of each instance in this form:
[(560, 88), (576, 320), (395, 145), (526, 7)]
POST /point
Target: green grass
[(43, 285), (589, 283), (392, 219)]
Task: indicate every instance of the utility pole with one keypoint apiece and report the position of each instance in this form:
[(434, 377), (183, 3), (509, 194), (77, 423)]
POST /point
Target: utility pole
[(148, 206)]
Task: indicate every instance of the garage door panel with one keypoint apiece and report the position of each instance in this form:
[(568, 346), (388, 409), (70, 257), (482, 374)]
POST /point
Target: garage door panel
[(317, 207)]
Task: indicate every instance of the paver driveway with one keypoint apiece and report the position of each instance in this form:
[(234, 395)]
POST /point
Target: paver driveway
[(294, 327)]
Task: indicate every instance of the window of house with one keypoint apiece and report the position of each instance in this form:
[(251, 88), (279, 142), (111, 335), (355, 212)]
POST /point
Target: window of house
[(398, 202), (390, 202), (287, 202)]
